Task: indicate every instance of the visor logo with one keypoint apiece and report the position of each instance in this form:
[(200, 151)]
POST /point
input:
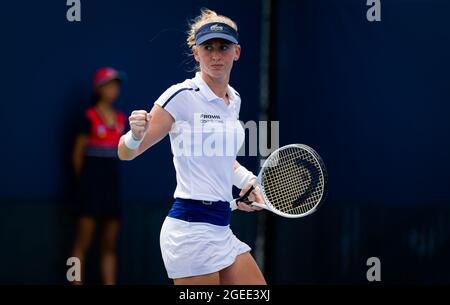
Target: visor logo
[(216, 28)]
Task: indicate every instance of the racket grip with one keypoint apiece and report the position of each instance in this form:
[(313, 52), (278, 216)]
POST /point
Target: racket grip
[(233, 203), (245, 197), (259, 205)]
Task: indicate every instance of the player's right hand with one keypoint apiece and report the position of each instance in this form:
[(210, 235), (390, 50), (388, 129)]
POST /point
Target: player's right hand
[(139, 123)]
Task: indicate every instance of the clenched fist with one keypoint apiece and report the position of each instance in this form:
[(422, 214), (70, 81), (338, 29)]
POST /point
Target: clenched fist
[(139, 123)]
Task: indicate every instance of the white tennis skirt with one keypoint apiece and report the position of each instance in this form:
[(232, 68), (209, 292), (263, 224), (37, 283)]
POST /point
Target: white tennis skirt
[(197, 248)]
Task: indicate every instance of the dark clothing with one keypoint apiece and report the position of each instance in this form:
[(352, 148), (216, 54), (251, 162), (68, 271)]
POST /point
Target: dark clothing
[(99, 187)]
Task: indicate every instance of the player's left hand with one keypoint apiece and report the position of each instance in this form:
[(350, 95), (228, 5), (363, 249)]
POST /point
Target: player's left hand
[(255, 196)]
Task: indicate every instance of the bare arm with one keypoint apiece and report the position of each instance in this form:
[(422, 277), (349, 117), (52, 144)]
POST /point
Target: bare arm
[(78, 153), (156, 125)]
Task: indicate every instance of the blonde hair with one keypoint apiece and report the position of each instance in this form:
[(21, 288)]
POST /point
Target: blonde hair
[(205, 17)]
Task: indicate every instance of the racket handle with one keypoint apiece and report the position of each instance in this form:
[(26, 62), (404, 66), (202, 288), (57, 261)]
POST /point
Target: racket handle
[(244, 199), (260, 205), (233, 204)]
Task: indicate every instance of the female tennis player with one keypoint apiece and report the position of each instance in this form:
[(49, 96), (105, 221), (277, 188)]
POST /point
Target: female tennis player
[(197, 244)]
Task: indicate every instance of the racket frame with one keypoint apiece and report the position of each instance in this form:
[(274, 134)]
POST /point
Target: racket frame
[(258, 183)]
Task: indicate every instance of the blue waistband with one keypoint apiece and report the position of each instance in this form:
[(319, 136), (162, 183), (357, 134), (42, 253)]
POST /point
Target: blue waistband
[(213, 212)]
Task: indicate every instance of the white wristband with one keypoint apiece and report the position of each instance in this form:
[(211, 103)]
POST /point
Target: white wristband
[(130, 142), (242, 176)]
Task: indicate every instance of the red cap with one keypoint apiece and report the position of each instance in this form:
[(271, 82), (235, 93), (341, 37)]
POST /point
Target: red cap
[(104, 75)]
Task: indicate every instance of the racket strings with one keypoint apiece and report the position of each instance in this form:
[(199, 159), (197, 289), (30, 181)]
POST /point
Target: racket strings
[(284, 199), (286, 181), (285, 185)]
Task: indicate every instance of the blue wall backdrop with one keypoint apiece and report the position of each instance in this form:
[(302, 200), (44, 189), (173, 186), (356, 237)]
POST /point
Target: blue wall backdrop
[(52, 61), (371, 97)]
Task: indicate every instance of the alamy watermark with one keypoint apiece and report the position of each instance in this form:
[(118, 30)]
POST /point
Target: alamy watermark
[(374, 12), (73, 274), (210, 135), (74, 11), (374, 272)]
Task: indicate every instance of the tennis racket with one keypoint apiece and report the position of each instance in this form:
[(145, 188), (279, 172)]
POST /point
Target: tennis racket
[(292, 182)]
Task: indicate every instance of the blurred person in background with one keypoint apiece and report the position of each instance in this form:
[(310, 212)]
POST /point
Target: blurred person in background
[(96, 167)]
